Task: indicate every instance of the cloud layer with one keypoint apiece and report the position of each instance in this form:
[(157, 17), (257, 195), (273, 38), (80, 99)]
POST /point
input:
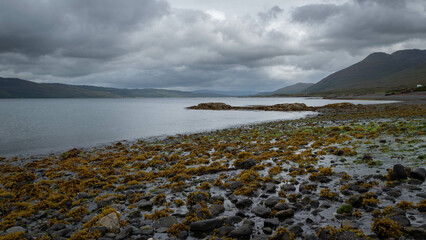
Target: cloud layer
[(151, 43)]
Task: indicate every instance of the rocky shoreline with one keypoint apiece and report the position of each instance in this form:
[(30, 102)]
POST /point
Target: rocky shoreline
[(284, 107), (353, 172)]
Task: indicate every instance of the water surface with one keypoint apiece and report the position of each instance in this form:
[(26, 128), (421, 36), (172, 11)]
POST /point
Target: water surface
[(38, 126)]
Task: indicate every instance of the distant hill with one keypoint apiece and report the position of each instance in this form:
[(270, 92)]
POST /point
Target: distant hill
[(18, 88), (227, 93), (297, 88), (377, 72)]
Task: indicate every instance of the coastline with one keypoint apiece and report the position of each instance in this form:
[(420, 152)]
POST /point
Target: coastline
[(260, 180)]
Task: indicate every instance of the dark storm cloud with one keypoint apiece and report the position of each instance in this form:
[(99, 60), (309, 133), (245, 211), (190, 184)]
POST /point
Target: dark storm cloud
[(363, 23), (148, 43), (74, 28), (315, 13)]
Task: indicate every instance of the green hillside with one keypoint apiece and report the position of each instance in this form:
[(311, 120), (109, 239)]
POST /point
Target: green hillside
[(18, 88), (377, 72)]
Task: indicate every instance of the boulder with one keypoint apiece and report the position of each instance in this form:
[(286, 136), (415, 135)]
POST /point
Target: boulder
[(206, 226), (247, 164), (261, 211), (271, 201), (418, 173), (165, 222), (111, 222), (399, 172), (244, 203), (243, 231), (284, 214)]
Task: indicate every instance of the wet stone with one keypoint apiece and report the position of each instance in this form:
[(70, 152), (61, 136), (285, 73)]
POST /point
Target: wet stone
[(233, 220), (206, 226), (267, 230), (399, 172), (244, 203), (284, 214), (216, 209), (242, 231), (165, 222), (349, 224), (418, 173), (261, 211), (271, 201), (270, 188), (225, 230), (147, 230), (271, 222), (247, 164), (124, 233), (288, 187)]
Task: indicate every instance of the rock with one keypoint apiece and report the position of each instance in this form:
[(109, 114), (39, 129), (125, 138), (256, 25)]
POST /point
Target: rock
[(418, 173), (57, 226), (349, 224), (394, 193), (212, 106), (267, 230), (244, 203), (401, 220), (260, 237), (296, 230), (217, 198), (284, 214), (111, 222), (269, 187), (16, 229), (247, 164), (282, 235), (355, 200), (399, 172), (206, 226), (271, 222), (415, 232), (348, 235), (242, 231), (261, 211), (271, 201), (162, 230), (82, 195), (235, 185), (135, 214), (183, 235), (165, 222), (232, 220), (225, 230), (102, 230), (106, 201), (124, 233), (395, 212), (147, 230), (216, 209), (288, 187)]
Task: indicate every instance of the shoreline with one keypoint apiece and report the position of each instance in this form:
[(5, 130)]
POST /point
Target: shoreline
[(283, 179)]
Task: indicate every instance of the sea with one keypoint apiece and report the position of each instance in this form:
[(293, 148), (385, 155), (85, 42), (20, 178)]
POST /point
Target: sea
[(41, 126)]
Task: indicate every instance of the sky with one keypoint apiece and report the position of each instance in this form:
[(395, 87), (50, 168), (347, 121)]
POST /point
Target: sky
[(246, 45)]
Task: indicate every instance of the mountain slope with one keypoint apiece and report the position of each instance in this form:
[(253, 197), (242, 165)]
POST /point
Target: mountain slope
[(293, 89), (289, 90), (18, 88), (378, 70)]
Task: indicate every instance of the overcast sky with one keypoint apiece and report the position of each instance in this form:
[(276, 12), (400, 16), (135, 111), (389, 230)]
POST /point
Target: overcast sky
[(200, 44)]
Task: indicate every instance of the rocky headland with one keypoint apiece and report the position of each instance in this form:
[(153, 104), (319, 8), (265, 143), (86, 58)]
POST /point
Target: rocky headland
[(351, 172)]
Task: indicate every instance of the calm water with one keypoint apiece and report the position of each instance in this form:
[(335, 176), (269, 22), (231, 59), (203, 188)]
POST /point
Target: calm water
[(38, 126)]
